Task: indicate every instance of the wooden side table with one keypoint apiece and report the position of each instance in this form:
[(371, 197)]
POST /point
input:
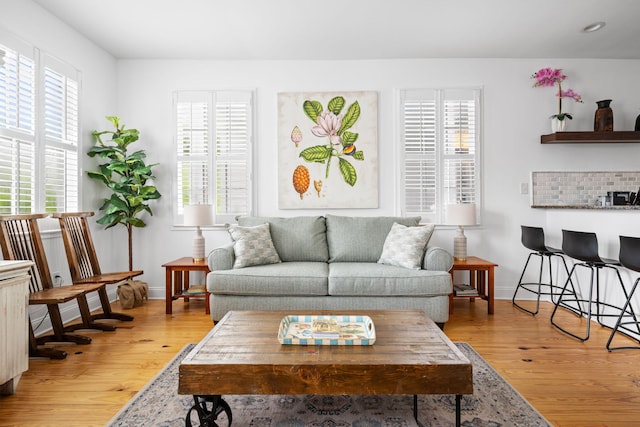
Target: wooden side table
[(177, 281), (480, 277)]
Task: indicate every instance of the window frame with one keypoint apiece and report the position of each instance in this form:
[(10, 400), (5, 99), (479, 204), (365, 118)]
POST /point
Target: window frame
[(441, 198), (208, 192)]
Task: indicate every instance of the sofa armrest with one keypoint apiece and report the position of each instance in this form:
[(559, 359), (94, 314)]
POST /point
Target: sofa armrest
[(222, 258), (436, 258)]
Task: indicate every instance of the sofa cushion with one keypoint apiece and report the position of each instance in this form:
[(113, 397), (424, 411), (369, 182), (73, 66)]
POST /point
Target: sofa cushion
[(300, 238), (366, 279), (360, 239), (253, 246), (404, 246), (286, 279)]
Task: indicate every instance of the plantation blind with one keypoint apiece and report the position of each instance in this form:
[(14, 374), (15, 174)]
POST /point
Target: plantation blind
[(440, 150), (39, 130), (61, 132), (213, 140), (17, 129)]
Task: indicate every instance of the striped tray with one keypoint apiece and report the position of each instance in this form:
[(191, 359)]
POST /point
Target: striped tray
[(326, 330)]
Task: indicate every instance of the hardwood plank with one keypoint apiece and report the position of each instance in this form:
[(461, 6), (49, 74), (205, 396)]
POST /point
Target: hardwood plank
[(572, 384)]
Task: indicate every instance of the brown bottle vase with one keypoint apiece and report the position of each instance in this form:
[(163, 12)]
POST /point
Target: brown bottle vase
[(603, 121)]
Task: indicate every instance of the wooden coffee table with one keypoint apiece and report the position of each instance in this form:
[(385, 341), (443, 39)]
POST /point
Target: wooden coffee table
[(242, 355)]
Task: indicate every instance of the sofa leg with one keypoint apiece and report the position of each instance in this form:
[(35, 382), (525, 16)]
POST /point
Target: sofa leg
[(440, 325)]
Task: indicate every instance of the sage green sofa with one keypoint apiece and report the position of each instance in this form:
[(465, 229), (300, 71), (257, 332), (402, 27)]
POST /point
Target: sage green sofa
[(330, 263)]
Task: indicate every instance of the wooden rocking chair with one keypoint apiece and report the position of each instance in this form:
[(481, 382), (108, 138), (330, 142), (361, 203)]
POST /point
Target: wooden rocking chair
[(20, 240), (83, 261)]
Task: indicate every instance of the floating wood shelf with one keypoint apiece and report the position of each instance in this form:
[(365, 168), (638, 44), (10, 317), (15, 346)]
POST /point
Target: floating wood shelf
[(590, 137)]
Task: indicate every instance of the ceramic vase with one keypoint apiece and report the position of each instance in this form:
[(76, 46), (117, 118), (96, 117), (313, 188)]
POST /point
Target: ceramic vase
[(558, 125), (603, 120)]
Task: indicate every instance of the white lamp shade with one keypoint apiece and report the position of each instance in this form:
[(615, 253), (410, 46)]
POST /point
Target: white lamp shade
[(198, 215), (461, 214)]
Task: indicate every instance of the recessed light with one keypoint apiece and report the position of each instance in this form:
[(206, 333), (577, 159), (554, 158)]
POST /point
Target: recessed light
[(593, 27)]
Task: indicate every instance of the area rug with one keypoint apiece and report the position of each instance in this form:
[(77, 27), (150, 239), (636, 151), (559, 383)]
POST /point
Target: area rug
[(494, 404)]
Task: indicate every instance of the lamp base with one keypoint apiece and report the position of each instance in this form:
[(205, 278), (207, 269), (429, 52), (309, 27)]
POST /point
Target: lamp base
[(460, 245), (198, 246), (198, 260)]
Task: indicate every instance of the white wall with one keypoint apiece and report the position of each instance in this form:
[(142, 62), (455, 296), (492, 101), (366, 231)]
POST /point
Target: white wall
[(515, 115)]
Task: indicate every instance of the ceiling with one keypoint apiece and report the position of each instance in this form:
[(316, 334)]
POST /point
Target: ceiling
[(354, 29)]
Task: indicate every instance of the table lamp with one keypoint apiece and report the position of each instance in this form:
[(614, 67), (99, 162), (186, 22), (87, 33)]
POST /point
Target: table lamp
[(461, 214), (198, 215)]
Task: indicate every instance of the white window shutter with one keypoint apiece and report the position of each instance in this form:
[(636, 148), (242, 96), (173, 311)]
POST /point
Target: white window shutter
[(17, 131), (440, 140), (213, 140), (61, 183)]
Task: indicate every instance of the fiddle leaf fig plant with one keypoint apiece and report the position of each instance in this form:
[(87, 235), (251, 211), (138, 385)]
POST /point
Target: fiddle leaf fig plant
[(126, 175)]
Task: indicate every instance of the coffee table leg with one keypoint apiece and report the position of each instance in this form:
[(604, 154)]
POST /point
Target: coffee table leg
[(208, 416), (415, 410), (458, 409)]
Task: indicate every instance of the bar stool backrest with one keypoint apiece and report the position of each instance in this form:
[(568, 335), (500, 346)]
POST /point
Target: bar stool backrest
[(630, 252), (581, 245), (533, 238)]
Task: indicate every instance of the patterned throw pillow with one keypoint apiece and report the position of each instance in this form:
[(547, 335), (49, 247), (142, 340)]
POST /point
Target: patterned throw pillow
[(253, 246), (404, 246)]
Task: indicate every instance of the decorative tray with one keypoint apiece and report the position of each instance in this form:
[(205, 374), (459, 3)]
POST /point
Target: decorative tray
[(327, 330)]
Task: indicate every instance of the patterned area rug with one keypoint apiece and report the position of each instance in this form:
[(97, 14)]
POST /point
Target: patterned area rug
[(494, 404)]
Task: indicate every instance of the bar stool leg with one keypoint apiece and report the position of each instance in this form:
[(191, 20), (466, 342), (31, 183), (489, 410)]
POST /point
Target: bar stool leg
[(620, 326), (522, 285), (578, 301)]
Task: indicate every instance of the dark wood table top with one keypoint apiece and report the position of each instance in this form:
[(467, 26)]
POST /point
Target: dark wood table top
[(242, 355)]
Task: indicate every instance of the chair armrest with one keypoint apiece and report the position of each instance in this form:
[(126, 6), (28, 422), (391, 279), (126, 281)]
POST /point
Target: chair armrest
[(222, 258), (436, 258)]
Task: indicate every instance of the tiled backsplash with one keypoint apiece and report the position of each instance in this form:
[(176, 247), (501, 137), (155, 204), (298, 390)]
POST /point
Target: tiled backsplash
[(579, 188)]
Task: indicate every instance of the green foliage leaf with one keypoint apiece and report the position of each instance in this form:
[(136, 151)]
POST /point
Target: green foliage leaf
[(98, 177), (348, 172), (353, 113), (358, 155), (115, 121), (318, 153), (336, 105), (312, 109), (149, 192), (118, 203), (136, 222), (349, 138)]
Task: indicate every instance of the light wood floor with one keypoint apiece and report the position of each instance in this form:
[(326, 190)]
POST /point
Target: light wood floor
[(570, 383)]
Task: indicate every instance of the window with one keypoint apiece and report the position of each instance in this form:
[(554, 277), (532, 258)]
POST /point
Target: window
[(440, 134), (39, 134), (213, 142)]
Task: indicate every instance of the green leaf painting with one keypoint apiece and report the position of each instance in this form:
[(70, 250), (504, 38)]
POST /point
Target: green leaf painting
[(312, 109), (331, 124), (348, 172)]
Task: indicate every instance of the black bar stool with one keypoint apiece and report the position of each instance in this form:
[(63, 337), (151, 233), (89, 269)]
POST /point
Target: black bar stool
[(533, 239), (629, 258), (583, 246)]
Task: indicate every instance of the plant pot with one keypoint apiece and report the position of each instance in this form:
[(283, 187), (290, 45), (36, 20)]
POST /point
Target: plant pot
[(558, 125)]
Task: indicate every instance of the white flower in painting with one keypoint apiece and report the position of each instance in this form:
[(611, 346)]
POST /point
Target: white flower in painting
[(328, 125)]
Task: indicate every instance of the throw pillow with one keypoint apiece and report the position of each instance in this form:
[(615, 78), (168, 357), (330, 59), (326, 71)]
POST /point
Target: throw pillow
[(253, 246), (404, 246), (300, 238)]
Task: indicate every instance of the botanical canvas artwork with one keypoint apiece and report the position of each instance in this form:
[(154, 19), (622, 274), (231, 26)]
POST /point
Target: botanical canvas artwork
[(327, 150)]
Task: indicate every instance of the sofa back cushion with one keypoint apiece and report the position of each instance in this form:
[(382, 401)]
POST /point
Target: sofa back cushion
[(360, 239), (301, 238)]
